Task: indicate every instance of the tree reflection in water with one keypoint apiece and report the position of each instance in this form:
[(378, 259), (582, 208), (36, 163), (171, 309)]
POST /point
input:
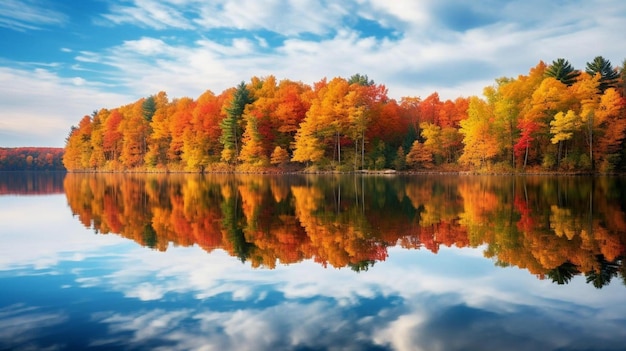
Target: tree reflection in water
[(556, 228)]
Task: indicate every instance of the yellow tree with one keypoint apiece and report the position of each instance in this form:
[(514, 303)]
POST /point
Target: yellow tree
[(480, 143), (509, 99), (612, 119), (134, 128), (358, 120), (97, 159), (201, 144), (325, 123), (506, 113), (336, 112), (563, 127), (260, 122), (308, 146), (160, 136), (279, 156), (550, 97), (585, 93), (252, 151), (521, 92), (78, 146), (432, 138)]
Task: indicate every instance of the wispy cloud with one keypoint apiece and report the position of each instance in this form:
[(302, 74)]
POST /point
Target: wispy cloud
[(149, 13), (493, 42), (28, 15)]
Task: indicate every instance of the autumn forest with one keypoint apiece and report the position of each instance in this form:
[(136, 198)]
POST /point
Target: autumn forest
[(555, 118)]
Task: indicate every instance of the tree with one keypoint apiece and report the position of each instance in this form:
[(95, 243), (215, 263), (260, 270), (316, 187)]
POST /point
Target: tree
[(252, 151), (622, 80), (180, 122), (362, 80), (98, 159), (480, 142), (134, 128), (400, 162), (112, 138), (527, 122), (160, 135), (293, 101), (411, 115), (608, 76), (562, 71), (231, 126), (612, 121), (585, 93), (279, 156), (430, 109), (201, 144), (431, 134), (419, 156), (563, 127), (563, 273), (78, 146), (550, 97), (261, 126), (325, 124), (149, 107)]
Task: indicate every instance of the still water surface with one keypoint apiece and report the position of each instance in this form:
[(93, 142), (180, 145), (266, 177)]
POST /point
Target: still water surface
[(217, 262)]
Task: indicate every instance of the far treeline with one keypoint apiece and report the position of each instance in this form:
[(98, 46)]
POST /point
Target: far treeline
[(31, 159), (556, 118)]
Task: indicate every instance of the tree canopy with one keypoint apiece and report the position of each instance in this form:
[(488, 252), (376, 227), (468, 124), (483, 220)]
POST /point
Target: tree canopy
[(554, 118)]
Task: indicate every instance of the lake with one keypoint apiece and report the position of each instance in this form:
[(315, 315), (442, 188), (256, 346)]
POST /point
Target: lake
[(311, 262)]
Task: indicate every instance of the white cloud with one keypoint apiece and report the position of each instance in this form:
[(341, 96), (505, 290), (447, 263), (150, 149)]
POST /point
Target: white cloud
[(28, 15), (469, 60), (424, 51), (39, 107)]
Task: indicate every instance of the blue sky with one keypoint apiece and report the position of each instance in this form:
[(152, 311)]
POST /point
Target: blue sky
[(61, 60)]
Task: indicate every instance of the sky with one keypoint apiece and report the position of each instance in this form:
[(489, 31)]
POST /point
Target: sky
[(61, 60)]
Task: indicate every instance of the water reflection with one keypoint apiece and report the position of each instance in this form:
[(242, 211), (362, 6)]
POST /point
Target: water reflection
[(31, 183), (555, 228), (63, 287)]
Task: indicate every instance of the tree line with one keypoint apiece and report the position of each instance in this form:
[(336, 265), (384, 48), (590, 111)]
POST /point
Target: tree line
[(31, 159), (555, 118)]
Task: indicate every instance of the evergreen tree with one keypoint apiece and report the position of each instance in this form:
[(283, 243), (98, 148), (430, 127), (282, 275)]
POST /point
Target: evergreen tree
[(608, 76), (562, 71), (149, 107), (361, 80), (231, 128)]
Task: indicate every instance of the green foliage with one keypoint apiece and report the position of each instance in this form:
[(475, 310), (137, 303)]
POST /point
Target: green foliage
[(562, 71), (609, 76), (231, 126), (149, 107), (360, 80)]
